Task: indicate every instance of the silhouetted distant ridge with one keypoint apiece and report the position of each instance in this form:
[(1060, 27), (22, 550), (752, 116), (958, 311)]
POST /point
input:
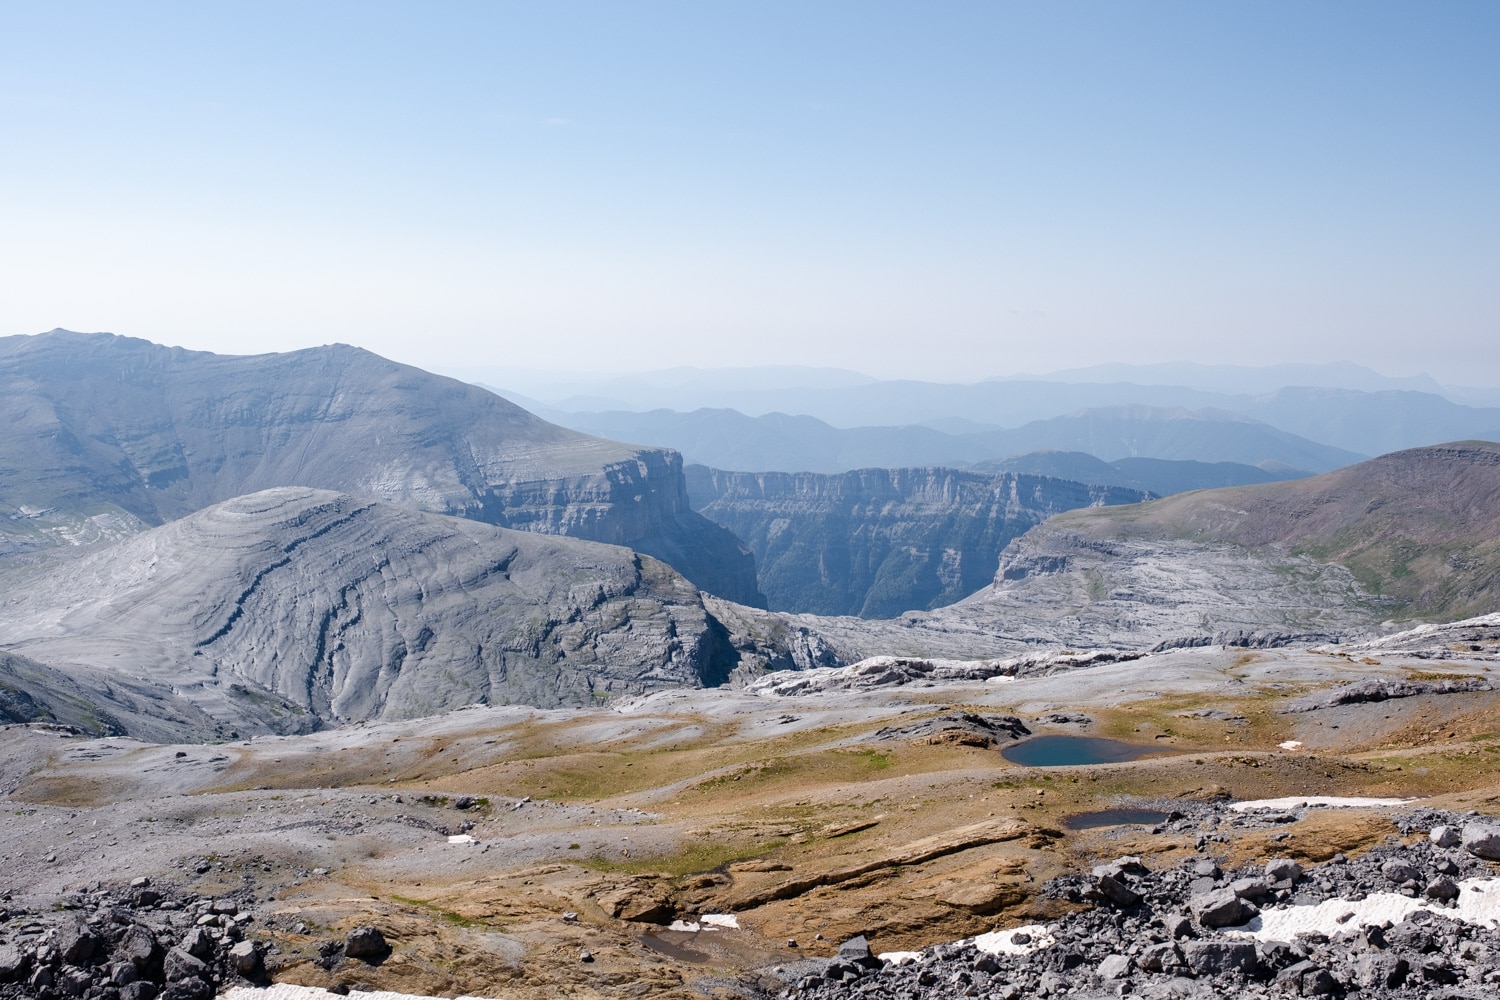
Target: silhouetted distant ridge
[(778, 442), (1162, 477)]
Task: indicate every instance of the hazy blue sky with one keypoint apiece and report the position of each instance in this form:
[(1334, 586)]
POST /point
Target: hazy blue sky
[(944, 190)]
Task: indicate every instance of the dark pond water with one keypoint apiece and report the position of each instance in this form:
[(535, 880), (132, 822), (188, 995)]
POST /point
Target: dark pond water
[(1070, 751), (1115, 817)]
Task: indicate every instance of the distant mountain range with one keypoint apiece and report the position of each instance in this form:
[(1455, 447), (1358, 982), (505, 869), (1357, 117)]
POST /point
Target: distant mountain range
[(1159, 476), (1351, 409), (777, 442)]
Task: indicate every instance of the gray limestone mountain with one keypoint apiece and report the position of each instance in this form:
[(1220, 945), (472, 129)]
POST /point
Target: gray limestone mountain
[(107, 435), (877, 542), (291, 609), (1418, 530)]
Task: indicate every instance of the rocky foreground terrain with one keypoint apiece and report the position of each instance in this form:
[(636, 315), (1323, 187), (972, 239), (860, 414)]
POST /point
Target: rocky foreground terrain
[(731, 842), (1408, 918)]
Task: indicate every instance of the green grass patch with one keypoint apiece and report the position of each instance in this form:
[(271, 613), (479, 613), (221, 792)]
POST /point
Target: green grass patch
[(446, 916)]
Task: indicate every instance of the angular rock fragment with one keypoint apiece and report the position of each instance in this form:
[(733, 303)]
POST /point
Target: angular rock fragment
[(1214, 957), (1482, 840), (1283, 870), (366, 942), (1117, 892), (1221, 908)]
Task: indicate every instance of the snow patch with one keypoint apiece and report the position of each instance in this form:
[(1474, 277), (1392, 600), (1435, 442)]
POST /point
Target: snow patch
[(462, 838), (1478, 903), (707, 922), (899, 957), (1290, 744), (1004, 943), (1318, 801)]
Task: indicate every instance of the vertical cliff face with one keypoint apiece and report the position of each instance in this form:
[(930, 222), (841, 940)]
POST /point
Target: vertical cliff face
[(877, 542), (641, 503), (108, 434)]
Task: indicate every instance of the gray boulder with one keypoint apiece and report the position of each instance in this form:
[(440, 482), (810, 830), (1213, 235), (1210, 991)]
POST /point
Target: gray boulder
[(1211, 957), (1254, 889), (180, 966), (13, 963), (366, 942), (1482, 840), (138, 946), (1117, 892), (1221, 908), (1161, 957), (1445, 836), (1374, 971), (246, 958), (199, 943), (1442, 889), (76, 941)]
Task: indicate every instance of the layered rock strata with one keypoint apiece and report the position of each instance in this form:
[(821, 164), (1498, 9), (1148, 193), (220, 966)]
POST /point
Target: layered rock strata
[(294, 608), (877, 542), (108, 434)]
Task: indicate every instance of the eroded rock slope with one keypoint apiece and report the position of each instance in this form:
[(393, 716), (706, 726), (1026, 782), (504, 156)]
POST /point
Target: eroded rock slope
[(293, 608)]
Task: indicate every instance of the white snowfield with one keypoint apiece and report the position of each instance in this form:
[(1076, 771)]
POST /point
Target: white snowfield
[(1318, 801), (286, 991), (993, 943), (1478, 903)]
